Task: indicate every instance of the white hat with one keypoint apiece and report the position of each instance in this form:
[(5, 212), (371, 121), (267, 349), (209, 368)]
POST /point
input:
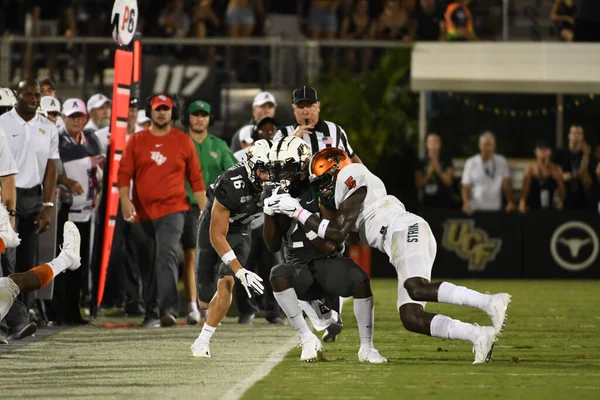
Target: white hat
[(72, 106), (264, 98), (97, 101), (50, 104), (7, 97), (246, 134), (142, 118)]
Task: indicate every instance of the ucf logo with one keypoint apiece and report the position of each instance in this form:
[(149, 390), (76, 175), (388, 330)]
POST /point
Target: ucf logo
[(470, 243)]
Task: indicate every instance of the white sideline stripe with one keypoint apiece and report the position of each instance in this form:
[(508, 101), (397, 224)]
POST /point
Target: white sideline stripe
[(261, 371)]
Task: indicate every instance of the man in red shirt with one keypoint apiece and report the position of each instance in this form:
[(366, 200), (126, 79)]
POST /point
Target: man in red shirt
[(159, 160)]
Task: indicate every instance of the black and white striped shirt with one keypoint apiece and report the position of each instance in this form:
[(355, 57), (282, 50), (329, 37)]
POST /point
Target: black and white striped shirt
[(326, 134)]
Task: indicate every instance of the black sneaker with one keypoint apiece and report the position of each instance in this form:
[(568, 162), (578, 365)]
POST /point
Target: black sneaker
[(23, 330)]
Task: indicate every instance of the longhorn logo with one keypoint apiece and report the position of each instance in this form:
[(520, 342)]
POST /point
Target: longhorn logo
[(579, 239)]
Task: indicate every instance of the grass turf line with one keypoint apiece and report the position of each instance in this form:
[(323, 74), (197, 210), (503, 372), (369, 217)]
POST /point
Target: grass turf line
[(550, 349)]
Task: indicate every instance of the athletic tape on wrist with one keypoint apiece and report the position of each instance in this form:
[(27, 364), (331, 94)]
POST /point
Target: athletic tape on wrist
[(303, 216), (311, 235), (228, 257), (322, 228)]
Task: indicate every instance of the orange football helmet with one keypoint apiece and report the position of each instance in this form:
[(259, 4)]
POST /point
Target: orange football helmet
[(324, 168)]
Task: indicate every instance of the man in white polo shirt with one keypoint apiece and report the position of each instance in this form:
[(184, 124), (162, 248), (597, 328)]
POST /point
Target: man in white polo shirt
[(98, 107), (485, 177), (33, 140)]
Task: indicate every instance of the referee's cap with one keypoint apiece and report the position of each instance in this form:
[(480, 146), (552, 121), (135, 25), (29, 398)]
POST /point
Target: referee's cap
[(305, 93)]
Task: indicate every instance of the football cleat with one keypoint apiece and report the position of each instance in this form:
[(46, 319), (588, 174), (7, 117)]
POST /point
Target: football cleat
[(168, 320), (332, 331), (8, 234), (200, 349), (496, 309), (8, 293), (193, 318), (372, 356), (484, 345), (311, 349), (71, 245)]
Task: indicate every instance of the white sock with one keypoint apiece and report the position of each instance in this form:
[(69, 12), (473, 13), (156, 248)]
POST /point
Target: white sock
[(288, 301), (207, 332), (451, 294), (448, 328), (364, 311), (341, 304), (192, 307), (60, 263)]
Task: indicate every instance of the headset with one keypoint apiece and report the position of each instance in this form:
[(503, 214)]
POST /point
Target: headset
[(174, 111)]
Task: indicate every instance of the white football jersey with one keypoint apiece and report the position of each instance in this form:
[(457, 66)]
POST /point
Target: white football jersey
[(378, 208)]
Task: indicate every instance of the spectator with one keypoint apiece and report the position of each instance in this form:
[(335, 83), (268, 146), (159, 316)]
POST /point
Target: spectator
[(543, 186), (435, 175), (283, 21), (51, 106), (264, 128), (587, 19), (81, 156), (575, 162), (358, 25), (322, 19), (428, 24), (485, 177), (99, 112), (240, 20), (143, 122), (595, 188), (159, 160), (215, 157), (47, 87), (563, 15), (205, 23), (264, 105), (394, 22), (459, 22), (33, 141), (173, 20)]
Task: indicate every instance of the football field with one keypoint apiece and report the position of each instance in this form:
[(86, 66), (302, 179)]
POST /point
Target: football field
[(550, 349)]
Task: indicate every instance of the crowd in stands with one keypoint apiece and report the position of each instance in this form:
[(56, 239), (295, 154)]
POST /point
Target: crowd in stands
[(565, 179)]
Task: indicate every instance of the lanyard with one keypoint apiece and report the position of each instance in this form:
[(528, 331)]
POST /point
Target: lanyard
[(489, 171)]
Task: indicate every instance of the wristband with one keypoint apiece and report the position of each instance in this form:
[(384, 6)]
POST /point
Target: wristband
[(48, 204), (228, 257), (303, 215), (311, 235), (322, 228)]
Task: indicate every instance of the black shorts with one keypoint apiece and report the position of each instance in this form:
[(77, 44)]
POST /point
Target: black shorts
[(190, 228), (337, 276), (209, 267)]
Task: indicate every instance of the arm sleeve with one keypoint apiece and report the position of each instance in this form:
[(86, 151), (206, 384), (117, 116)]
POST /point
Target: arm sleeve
[(193, 170), (127, 166), (466, 175), (8, 166), (53, 154)]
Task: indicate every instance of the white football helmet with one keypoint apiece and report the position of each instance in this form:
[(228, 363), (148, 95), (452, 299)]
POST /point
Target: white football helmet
[(7, 100), (289, 159), (258, 157)]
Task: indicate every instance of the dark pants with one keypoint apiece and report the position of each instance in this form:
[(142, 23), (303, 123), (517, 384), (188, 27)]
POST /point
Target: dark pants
[(24, 257), (335, 276), (158, 261), (123, 280), (260, 261), (69, 285), (586, 31), (209, 266)]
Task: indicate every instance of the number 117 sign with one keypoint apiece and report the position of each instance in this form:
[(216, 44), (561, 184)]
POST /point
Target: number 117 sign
[(124, 21)]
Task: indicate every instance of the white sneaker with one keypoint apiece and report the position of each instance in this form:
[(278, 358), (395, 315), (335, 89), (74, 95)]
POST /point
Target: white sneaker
[(496, 309), (71, 245), (8, 293), (311, 349), (8, 234), (193, 318), (200, 349), (484, 345), (371, 355)]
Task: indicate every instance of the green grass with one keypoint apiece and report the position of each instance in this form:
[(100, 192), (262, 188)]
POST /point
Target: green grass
[(550, 349)]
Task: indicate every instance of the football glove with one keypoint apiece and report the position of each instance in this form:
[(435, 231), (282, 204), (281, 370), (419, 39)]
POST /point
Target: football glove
[(287, 205), (249, 281)]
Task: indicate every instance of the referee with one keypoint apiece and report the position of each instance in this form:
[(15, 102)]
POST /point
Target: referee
[(317, 133)]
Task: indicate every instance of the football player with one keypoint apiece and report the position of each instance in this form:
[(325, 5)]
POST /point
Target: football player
[(224, 240), (363, 205), (37, 277), (313, 267)]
